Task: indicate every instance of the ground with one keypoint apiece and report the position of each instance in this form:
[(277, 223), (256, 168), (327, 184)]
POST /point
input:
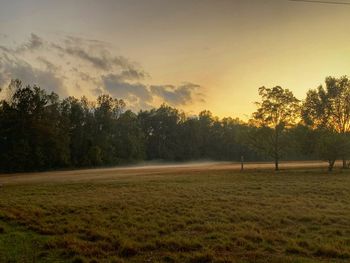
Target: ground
[(204, 213)]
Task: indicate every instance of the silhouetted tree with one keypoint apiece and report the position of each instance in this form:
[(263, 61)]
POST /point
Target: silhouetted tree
[(329, 108), (331, 146), (130, 138), (79, 116), (160, 127), (39, 131), (278, 110), (33, 134)]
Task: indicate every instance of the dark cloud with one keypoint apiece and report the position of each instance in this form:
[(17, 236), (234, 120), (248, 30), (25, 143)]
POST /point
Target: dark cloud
[(34, 43), (117, 87), (19, 69), (132, 74), (142, 95), (13, 66), (49, 65), (5, 49), (176, 95), (88, 66), (102, 62), (97, 54), (83, 41)]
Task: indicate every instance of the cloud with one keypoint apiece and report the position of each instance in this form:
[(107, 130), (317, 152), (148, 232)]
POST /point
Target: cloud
[(49, 65), (140, 94), (2, 76), (34, 43), (132, 92), (5, 49), (77, 66), (20, 69), (82, 41), (132, 74), (97, 54), (180, 95), (102, 61)]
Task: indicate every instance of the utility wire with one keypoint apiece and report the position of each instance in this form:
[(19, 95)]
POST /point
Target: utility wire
[(321, 2)]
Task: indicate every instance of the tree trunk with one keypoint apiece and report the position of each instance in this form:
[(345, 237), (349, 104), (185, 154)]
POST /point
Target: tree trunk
[(331, 165), (276, 164), (276, 149), (345, 165)]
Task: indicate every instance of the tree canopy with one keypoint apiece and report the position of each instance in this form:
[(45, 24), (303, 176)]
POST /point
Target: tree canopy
[(328, 108), (277, 110), (40, 131)]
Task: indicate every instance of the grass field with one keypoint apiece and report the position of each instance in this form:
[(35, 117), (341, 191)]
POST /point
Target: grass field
[(181, 216)]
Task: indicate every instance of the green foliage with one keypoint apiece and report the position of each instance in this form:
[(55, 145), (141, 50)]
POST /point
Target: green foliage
[(328, 109), (39, 131), (95, 156), (332, 146), (32, 132), (303, 140), (278, 110), (160, 127)]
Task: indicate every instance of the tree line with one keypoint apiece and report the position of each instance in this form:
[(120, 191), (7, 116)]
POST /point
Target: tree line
[(40, 131)]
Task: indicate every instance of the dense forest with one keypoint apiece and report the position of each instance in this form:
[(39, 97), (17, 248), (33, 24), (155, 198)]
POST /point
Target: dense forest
[(40, 131)]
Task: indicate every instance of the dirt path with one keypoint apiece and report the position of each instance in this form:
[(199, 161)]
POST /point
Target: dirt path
[(112, 173)]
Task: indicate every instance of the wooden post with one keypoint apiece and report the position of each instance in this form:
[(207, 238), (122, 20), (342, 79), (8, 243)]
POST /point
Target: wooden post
[(242, 163)]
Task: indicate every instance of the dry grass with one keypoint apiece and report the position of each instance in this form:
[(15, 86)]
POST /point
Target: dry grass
[(213, 216)]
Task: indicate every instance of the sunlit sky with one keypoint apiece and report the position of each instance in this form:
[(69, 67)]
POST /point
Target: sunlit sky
[(192, 54)]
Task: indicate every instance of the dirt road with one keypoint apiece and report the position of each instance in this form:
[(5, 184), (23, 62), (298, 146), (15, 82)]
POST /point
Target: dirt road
[(142, 170)]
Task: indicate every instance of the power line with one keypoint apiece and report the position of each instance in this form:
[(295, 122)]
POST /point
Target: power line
[(321, 2)]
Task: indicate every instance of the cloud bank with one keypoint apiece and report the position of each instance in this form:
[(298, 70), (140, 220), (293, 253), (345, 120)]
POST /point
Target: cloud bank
[(77, 66)]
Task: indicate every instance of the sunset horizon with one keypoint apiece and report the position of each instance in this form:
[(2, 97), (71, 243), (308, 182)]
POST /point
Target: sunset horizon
[(191, 55), (174, 131)]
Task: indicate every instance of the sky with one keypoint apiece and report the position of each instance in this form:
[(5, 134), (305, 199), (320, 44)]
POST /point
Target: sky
[(190, 54)]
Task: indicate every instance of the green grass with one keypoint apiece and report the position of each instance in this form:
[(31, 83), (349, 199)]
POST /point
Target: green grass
[(216, 216)]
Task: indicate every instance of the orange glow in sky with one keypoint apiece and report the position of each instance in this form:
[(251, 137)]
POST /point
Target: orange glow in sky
[(195, 55)]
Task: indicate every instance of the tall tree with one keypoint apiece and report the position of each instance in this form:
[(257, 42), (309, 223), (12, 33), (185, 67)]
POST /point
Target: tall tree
[(329, 107), (277, 110), (332, 146), (79, 117), (129, 137), (161, 129), (206, 122), (106, 114), (33, 135)]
